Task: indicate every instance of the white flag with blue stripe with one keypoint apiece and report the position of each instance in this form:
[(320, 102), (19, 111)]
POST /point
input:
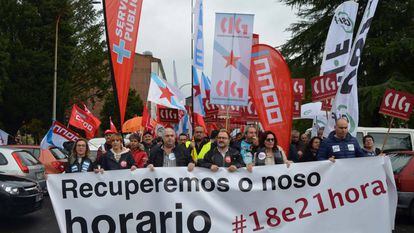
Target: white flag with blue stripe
[(165, 94)]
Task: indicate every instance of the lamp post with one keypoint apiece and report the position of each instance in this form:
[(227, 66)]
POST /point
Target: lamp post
[(55, 68), (185, 84)]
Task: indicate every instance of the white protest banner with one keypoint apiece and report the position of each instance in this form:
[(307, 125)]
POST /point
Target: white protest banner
[(231, 59), (350, 195), (346, 104), (339, 40)]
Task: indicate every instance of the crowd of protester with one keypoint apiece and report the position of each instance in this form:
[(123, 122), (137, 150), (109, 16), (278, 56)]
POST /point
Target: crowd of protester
[(246, 149)]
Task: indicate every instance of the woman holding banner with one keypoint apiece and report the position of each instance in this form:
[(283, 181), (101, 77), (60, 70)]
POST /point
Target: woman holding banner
[(311, 150), (270, 153), (116, 158), (79, 159)]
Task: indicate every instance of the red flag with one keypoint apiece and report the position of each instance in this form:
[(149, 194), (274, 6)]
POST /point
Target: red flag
[(122, 21), (271, 89), (82, 120), (145, 117), (95, 119), (199, 121), (112, 126)]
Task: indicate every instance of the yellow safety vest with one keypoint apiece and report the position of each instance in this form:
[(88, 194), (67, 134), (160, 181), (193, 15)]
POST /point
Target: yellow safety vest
[(187, 144), (206, 148)]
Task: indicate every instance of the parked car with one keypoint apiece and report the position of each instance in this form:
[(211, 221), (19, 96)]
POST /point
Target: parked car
[(403, 168), (399, 139), (22, 163), (19, 195), (54, 159)]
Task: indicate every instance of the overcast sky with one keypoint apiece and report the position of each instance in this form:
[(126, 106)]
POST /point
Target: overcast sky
[(165, 30)]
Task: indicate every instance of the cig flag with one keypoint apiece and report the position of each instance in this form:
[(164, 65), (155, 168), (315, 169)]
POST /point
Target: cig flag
[(231, 59)]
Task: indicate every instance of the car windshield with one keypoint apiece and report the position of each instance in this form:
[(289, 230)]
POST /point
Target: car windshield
[(399, 161), (27, 158), (395, 142), (57, 153)]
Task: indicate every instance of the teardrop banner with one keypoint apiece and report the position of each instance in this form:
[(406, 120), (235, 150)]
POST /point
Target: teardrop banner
[(271, 88), (121, 24)]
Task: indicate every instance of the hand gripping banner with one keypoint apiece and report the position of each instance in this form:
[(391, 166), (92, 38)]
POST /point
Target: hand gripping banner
[(122, 21), (271, 89)]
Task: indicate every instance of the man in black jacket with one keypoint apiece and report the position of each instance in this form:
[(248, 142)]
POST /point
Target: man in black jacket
[(222, 155), (170, 154)]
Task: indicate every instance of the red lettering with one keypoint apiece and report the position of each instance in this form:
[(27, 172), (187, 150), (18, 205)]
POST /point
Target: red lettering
[(364, 191), (348, 195), (272, 219), (286, 213), (379, 189), (333, 196), (320, 202), (302, 213)]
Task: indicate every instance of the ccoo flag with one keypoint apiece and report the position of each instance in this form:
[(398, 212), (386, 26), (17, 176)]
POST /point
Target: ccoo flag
[(57, 135), (122, 21), (346, 99), (272, 92)]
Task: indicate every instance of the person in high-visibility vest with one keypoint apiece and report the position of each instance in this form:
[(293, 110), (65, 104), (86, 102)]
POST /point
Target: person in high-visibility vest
[(201, 144)]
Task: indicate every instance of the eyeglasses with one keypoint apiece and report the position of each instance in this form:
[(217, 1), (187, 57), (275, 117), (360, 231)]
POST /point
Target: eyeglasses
[(270, 139), (222, 138)]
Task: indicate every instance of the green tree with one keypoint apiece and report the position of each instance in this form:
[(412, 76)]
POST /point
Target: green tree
[(110, 109), (386, 60), (27, 41)]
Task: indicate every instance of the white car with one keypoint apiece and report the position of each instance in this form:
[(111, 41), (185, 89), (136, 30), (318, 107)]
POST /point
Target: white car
[(21, 163)]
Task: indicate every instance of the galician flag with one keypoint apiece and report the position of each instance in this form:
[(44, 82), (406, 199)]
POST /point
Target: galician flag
[(163, 93), (197, 95)]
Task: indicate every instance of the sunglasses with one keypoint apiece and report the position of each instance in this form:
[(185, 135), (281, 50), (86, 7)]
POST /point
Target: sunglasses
[(270, 139)]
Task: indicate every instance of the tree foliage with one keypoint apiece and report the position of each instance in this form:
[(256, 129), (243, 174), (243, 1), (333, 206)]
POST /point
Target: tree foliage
[(27, 42), (386, 60), (110, 109)]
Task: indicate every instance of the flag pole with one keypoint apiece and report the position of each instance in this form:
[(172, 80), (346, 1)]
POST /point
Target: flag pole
[(192, 62), (386, 136), (227, 117)]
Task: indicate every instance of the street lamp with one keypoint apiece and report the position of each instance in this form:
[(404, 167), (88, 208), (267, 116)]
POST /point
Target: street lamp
[(185, 84), (55, 69)]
